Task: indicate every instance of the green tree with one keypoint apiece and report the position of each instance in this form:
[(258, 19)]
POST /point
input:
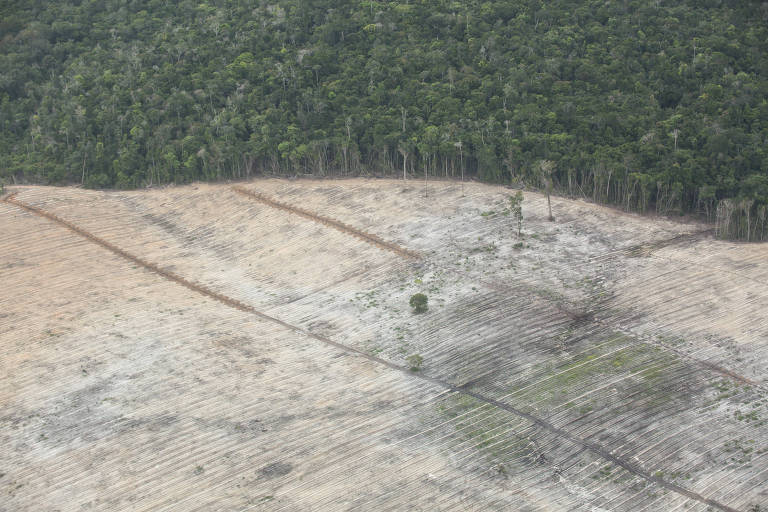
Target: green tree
[(516, 208), (414, 362), (418, 303)]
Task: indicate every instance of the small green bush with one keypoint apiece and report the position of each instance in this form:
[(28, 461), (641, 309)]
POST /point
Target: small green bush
[(419, 303), (415, 361)]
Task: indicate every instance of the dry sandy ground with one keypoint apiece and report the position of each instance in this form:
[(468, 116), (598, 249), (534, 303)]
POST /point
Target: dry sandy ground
[(603, 361)]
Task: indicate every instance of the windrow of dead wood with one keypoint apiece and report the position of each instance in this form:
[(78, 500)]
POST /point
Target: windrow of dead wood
[(336, 224)]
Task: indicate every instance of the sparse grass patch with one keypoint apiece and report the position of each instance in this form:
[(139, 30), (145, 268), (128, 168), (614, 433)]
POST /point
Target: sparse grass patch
[(603, 472), (746, 416), (491, 433), (557, 385), (739, 451)]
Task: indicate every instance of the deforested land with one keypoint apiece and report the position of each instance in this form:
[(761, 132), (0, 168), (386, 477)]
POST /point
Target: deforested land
[(261, 346)]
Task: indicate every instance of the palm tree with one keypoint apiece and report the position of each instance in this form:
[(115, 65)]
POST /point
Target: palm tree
[(546, 168)]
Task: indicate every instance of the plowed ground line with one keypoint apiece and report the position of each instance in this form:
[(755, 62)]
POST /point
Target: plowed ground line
[(234, 303), (338, 225)]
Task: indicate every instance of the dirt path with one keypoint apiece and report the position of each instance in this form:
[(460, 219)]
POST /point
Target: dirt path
[(588, 445)]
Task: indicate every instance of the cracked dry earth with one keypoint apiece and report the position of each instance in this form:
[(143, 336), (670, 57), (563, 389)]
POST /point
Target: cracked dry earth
[(212, 347)]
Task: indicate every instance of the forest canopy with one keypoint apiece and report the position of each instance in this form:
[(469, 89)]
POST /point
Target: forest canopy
[(639, 103)]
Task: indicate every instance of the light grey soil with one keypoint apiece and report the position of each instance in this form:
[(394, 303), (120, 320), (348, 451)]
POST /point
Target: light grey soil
[(193, 348)]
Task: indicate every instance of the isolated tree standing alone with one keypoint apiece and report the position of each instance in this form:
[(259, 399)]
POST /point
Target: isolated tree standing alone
[(516, 207), (419, 303), (546, 168)]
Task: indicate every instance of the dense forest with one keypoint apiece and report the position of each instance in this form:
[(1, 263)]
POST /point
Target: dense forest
[(644, 104)]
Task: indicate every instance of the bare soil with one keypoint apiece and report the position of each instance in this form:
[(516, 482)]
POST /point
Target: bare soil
[(212, 347)]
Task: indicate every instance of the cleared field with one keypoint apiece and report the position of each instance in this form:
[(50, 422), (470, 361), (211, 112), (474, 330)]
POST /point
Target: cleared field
[(213, 347)]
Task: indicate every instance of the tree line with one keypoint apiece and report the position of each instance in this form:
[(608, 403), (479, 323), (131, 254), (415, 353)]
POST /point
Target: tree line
[(648, 105)]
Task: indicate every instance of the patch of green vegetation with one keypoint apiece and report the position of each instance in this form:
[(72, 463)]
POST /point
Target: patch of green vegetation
[(491, 432), (746, 416), (621, 355), (367, 300), (372, 348), (414, 362), (602, 473), (739, 451), (679, 474), (726, 389), (594, 362)]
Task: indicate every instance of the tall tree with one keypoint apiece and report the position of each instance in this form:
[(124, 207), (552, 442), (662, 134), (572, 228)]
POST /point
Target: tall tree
[(545, 170)]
